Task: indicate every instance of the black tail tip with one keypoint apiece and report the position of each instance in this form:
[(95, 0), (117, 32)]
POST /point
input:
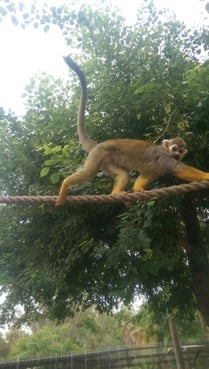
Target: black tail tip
[(67, 59), (70, 62)]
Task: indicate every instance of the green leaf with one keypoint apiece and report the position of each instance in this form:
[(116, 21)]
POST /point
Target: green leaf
[(54, 178), (44, 171), (49, 162)]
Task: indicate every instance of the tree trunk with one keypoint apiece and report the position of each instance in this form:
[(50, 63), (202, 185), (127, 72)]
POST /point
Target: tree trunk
[(176, 344), (197, 257)]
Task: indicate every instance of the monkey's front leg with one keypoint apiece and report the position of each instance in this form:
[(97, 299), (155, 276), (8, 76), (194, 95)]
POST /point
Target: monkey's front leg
[(121, 178), (190, 174), (141, 182), (139, 185)]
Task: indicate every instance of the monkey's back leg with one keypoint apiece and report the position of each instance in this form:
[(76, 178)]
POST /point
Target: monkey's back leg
[(82, 175)]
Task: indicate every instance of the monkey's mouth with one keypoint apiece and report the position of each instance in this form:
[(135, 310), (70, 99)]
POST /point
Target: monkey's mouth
[(176, 156)]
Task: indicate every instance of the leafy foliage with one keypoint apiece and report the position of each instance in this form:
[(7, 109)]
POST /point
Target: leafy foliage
[(86, 330), (144, 81)]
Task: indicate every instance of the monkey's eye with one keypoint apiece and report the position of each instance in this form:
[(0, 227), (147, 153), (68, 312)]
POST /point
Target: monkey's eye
[(175, 148), (181, 151)]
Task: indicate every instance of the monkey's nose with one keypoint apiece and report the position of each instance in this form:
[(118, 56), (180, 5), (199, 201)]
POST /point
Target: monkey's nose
[(177, 156)]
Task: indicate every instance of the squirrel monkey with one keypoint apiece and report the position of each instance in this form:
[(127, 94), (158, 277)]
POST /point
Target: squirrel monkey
[(116, 157)]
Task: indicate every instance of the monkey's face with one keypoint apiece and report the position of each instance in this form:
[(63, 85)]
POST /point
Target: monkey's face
[(176, 147), (177, 152)]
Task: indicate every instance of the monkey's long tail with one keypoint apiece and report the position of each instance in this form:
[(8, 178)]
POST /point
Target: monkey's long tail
[(87, 143)]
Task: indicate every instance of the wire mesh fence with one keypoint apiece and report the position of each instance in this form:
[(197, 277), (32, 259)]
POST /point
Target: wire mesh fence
[(144, 357)]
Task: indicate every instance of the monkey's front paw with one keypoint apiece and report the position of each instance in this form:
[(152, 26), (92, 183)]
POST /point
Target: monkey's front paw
[(117, 192), (138, 189)]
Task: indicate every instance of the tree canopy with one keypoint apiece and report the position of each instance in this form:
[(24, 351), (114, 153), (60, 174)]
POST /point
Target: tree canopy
[(145, 81)]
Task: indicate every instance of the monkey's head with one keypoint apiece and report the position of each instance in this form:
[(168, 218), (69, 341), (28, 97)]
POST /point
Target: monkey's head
[(176, 147)]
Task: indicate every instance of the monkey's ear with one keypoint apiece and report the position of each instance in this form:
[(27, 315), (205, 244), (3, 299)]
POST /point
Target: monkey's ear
[(165, 144)]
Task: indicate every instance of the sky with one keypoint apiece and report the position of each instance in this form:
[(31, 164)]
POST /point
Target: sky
[(26, 52)]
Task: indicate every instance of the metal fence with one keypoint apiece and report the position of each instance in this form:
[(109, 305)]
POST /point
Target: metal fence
[(144, 357)]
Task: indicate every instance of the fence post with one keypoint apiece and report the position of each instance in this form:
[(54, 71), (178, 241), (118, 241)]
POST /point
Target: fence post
[(176, 345)]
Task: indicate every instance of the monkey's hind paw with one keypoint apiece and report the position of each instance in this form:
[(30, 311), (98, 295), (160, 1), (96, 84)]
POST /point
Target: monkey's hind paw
[(59, 201)]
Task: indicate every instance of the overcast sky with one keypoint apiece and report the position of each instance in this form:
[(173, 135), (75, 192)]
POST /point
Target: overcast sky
[(23, 53)]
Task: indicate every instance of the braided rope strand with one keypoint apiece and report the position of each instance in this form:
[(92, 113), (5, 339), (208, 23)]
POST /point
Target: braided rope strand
[(125, 197)]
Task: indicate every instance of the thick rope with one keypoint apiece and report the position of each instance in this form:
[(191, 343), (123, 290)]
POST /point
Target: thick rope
[(126, 197)]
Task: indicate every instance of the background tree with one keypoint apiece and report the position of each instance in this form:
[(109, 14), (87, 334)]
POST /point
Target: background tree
[(4, 347), (144, 81), (89, 330), (86, 330)]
